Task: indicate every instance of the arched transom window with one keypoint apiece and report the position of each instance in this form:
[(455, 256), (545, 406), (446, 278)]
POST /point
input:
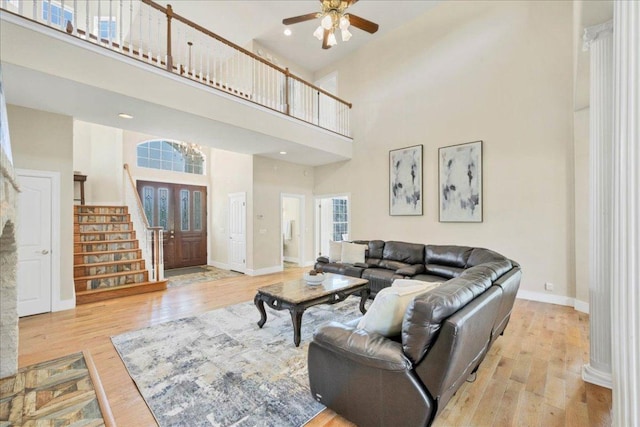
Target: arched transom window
[(171, 156)]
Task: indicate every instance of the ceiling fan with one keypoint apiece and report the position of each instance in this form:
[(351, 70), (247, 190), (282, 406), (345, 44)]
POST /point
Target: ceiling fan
[(332, 17)]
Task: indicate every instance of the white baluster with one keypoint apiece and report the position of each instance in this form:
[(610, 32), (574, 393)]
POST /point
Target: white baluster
[(120, 35), (149, 53), (75, 16), (109, 20), (159, 49), (99, 35), (131, 27), (86, 18), (140, 48)]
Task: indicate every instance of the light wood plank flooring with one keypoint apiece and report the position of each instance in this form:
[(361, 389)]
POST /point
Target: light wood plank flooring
[(531, 377)]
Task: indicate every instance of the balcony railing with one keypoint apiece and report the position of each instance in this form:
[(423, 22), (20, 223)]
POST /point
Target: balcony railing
[(158, 36)]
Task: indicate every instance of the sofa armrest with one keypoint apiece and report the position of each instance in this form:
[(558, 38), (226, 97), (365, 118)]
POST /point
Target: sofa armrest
[(323, 259), (360, 346), (411, 270)]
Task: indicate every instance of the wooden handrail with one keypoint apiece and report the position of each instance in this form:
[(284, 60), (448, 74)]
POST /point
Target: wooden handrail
[(133, 185), (169, 12)]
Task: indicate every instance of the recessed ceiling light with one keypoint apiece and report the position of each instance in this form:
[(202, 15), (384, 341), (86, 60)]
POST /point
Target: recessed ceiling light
[(283, 152), (287, 31), (125, 116)]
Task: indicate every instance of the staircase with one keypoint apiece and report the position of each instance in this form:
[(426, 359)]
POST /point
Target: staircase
[(107, 261)]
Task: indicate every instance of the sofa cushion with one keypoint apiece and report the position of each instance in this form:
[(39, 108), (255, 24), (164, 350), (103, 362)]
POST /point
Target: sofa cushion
[(335, 251), (392, 265), (446, 271), (410, 253), (429, 278), (426, 312), (480, 256), (379, 278), (340, 268), (352, 253), (387, 310), (454, 256)]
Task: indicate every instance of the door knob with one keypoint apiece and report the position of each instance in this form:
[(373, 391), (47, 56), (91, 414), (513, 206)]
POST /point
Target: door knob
[(43, 252)]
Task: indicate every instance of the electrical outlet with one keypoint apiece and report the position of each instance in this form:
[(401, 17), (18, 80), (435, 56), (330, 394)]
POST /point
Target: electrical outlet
[(548, 286)]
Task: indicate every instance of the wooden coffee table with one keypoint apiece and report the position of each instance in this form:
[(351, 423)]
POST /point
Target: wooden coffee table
[(296, 296)]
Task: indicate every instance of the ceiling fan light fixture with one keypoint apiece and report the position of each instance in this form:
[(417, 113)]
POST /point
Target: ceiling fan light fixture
[(327, 22), (319, 32), (346, 35), (332, 40), (344, 22)]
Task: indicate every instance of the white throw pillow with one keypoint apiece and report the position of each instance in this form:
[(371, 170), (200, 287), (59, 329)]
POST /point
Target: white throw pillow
[(335, 251), (387, 310), (352, 253), (413, 282)]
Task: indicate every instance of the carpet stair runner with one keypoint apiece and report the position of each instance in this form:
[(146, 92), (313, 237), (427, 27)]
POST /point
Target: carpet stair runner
[(107, 260)]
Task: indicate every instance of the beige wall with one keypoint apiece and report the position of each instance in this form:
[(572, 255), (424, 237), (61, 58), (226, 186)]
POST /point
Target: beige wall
[(230, 173), (271, 178), (581, 197), (44, 141), (500, 72), (97, 153)]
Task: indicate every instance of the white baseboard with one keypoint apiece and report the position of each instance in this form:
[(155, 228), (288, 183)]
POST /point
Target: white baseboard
[(263, 271), (64, 304), (548, 298), (597, 377), (554, 299), (220, 265), (581, 306), (291, 259)]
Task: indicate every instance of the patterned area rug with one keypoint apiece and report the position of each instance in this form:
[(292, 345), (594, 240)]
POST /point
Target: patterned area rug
[(220, 369), (191, 275)]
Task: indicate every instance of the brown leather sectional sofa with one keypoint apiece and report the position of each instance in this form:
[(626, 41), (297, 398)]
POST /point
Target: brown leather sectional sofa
[(408, 379)]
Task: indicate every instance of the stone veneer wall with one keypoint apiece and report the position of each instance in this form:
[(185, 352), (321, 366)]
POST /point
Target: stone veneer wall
[(8, 264)]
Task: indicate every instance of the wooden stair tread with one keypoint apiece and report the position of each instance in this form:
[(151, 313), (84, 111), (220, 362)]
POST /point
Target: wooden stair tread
[(99, 242), (101, 294), (107, 275), (100, 223), (106, 231), (116, 251), (107, 263)]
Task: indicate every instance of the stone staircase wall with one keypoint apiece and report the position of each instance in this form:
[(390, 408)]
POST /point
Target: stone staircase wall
[(107, 259)]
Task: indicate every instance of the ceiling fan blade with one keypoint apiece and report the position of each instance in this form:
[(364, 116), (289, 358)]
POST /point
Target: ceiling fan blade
[(363, 24), (301, 18), (325, 40)]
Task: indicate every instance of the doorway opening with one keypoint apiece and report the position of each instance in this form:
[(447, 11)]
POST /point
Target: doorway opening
[(333, 221), (292, 208)]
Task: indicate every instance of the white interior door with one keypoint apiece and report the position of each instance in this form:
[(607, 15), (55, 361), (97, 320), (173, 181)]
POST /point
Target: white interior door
[(292, 208), (34, 273), (237, 232)]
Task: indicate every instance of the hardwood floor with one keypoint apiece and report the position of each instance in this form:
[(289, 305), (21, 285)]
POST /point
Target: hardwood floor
[(531, 377)]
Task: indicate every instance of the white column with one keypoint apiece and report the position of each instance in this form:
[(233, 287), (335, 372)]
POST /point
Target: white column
[(625, 296), (598, 39)]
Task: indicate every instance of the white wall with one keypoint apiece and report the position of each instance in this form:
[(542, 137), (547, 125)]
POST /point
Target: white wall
[(44, 141), (97, 153), (500, 72), (230, 173), (270, 178)]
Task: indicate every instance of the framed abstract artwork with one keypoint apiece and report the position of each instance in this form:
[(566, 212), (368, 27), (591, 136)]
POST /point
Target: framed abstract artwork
[(405, 181), (460, 183)]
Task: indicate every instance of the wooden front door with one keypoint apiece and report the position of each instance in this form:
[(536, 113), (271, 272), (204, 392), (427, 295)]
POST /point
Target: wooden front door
[(181, 210)]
